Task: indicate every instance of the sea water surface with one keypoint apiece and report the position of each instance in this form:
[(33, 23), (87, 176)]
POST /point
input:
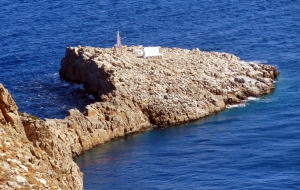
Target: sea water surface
[(254, 146)]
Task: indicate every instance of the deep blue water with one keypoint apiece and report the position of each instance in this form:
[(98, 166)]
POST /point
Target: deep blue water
[(256, 146)]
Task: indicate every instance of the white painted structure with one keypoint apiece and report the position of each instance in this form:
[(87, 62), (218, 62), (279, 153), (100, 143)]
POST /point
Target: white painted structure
[(151, 51)]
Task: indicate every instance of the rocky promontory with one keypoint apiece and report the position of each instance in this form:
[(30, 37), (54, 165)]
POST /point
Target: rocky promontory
[(182, 86), (134, 94)]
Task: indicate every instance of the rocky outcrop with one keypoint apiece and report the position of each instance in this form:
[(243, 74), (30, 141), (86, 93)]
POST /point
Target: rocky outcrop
[(79, 132), (27, 165), (38, 154), (135, 94), (183, 86)]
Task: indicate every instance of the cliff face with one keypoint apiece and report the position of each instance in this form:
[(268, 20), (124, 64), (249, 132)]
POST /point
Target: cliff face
[(184, 85), (39, 153), (25, 165)]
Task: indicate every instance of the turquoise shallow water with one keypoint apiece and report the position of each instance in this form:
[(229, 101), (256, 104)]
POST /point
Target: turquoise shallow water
[(255, 146)]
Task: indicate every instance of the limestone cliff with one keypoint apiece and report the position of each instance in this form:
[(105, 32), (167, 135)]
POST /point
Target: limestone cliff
[(25, 165)]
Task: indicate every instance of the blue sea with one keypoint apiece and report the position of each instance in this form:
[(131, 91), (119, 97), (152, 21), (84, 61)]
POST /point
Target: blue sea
[(253, 146)]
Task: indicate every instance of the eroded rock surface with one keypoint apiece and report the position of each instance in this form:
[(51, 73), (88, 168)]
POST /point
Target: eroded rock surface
[(183, 86), (38, 154), (25, 165), (134, 95)]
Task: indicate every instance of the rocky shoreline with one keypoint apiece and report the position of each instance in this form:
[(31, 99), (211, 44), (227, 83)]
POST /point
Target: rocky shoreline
[(134, 94), (182, 86)]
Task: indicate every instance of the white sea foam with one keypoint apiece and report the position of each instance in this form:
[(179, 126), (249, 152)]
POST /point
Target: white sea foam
[(252, 98), (259, 61), (244, 102), (236, 105)]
